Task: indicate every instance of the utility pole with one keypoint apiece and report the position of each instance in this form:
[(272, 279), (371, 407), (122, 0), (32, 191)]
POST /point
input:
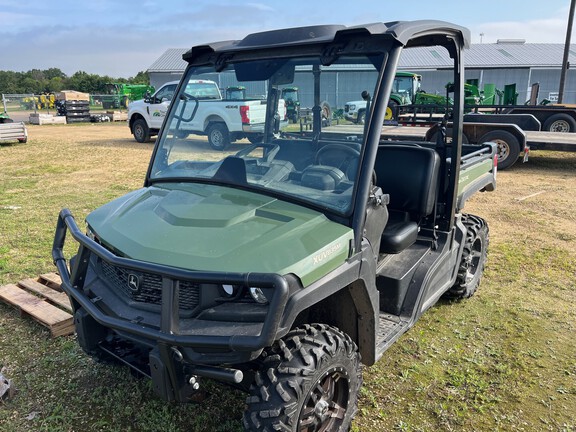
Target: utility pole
[(566, 52)]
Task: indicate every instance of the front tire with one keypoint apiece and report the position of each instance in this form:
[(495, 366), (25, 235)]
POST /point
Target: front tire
[(309, 381), (391, 111), (218, 136), (141, 131), (473, 258)]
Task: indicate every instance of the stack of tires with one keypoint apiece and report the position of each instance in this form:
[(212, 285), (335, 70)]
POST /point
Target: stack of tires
[(75, 110)]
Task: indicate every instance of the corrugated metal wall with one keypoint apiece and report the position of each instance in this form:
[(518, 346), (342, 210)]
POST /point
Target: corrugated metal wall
[(433, 81)]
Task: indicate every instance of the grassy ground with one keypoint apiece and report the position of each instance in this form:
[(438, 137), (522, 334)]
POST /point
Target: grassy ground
[(504, 360)]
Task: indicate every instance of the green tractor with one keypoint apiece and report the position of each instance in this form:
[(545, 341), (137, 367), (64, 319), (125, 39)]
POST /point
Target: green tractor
[(292, 101), (119, 95), (4, 118), (406, 91), (236, 93)]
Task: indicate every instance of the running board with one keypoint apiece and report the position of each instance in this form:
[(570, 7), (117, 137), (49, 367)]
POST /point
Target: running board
[(391, 327)]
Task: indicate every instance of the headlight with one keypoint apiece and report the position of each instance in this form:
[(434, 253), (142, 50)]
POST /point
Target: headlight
[(91, 234), (352, 107), (257, 295), (230, 291)]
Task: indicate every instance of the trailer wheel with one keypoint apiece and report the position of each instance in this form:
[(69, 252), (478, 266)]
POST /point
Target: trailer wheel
[(218, 136), (141, 131), (560, 123), (508, 147), (473, 258), (308, 381)]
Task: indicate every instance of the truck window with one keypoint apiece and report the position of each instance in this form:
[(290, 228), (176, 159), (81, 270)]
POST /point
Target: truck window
[(166, 93)]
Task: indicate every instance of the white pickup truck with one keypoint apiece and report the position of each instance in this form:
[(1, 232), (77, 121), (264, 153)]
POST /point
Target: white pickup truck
[(222, 121)]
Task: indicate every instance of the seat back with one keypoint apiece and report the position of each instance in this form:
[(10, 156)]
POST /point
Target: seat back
[(409, 174)]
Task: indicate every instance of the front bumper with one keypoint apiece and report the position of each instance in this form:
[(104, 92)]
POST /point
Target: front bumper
[(204, 339)]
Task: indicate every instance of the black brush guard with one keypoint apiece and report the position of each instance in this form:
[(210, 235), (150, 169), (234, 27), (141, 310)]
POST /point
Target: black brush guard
[(167, 374)]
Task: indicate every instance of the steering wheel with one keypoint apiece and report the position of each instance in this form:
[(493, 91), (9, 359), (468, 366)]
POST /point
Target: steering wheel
[(341, 156)]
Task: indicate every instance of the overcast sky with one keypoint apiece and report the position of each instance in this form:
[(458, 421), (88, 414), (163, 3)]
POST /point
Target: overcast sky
[(122, 37)]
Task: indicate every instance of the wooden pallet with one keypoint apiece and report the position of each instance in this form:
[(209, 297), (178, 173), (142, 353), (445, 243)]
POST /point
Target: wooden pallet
[(43, 300)]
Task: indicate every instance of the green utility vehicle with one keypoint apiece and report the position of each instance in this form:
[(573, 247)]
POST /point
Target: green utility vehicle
[(280, 267), (119, 95)]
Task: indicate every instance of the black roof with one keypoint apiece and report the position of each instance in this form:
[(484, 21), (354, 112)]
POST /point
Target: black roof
[(406, 33)]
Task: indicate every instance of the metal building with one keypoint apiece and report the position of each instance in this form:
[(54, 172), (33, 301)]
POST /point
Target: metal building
[(502, 63)]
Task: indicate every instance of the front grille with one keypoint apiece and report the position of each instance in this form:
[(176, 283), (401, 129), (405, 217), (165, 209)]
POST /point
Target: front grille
[(149, 289)]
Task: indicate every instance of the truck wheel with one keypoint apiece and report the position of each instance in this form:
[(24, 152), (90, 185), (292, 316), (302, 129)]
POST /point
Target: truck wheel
[(361, 117), (218, 136), (141, 131), (309, 381), (560, 123), (508, 147), (473, 258)]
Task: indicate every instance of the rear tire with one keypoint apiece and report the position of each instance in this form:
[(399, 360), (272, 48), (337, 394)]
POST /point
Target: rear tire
[(560, 123), (508, 147), (473, 258), (218, 136), (309, 380), (141, 131)]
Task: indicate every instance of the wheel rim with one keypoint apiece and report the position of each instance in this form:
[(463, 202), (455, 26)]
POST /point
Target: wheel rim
[(560, 126), (388, 114), (474, 260), (139, 132), (326, 404), (503, 149), (217, 138)]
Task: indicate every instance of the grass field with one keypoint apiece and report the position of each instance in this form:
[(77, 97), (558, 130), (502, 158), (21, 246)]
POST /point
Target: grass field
[(504, 360)]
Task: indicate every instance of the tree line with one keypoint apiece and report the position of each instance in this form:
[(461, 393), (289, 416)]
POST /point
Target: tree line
[(54, 80)]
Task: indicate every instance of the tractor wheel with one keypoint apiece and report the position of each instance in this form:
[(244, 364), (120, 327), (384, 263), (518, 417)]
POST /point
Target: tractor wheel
[(141, 131), (473, 258), (391, 111), (508, 147), (309, 381), (218, 136), (326, 113), (560, 123)]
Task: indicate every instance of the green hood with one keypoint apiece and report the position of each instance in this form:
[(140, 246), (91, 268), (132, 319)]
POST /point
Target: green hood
[(214, 228)]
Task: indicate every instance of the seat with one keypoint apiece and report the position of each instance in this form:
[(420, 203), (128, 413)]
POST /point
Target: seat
[(409, 174)]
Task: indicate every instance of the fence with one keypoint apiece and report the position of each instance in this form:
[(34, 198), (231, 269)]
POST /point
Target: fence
[(20, 106)]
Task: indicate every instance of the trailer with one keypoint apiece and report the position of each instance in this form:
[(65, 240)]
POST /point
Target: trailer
[(553, 118), (13, 131)]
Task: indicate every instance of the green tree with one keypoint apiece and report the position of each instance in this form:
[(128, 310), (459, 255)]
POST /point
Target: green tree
[(141, 77)]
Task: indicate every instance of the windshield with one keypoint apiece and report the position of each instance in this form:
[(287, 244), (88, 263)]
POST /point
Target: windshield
[(309, 156), (404, 85)]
